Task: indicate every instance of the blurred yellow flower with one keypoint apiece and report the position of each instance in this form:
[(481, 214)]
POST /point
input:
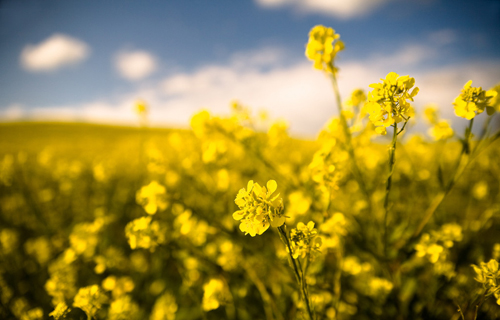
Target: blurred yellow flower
[(322, 48), (214, 294), (90, 299), (141, 108), (472, 101), (152, 197)]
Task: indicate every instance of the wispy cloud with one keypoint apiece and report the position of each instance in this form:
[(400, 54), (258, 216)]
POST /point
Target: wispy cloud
[(135, 65), (338, 8), (55, 52), (295, 91)]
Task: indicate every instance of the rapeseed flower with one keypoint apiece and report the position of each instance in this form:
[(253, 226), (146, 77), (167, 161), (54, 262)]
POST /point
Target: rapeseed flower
[(90, 299), (387, 103), (472, 101), (141, 108), (322, 48), (259, 208), (144, 233), (488, 274), (441, 129), (214, 294), (152, 197), (304, 239)]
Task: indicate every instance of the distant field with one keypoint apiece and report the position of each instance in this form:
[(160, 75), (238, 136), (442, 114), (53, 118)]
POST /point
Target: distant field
[(110, 222)]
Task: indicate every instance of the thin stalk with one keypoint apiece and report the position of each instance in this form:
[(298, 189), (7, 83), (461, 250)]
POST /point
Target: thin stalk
[(269, 304), (348, 137), (459, 169), (392, 153), (478, 305), (299, 278), (461, 313), (337, 284)]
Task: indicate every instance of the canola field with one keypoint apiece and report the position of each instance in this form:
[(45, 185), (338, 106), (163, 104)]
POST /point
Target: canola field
[(235, 219)]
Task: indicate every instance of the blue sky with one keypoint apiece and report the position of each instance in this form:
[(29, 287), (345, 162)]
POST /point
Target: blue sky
[(90, 60)]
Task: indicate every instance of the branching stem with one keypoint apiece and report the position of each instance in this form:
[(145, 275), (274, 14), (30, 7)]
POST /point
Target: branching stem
[(299, 276)]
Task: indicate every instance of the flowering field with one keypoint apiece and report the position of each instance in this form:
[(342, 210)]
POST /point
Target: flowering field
[(235, 219)]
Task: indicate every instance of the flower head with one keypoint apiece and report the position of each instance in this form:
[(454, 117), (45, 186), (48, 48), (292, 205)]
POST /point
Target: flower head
[(144, 233), (141, 108), (90, 299), (322, 48), (214, 295), (387, 103), (472, 101), (152, 197), (259, 208), (304, 239), (441, 129), (488, 274)]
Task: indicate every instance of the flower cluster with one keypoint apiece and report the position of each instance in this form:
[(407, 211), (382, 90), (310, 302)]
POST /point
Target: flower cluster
[(60, 311), (304, 239), (214, 294), (90, 299), (164, 308), (322, 48), (259, 208), (387, 103), (489, 275), (142, 233), (472, 101), (152, 197), (441, 129), (140, 108), (436, 248)]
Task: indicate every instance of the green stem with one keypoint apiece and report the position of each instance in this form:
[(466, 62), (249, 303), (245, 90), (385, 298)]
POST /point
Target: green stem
[(300, 279), (468, 134), (459, 169), (337, 288), (392, 153), (269, 304), (348, 138)]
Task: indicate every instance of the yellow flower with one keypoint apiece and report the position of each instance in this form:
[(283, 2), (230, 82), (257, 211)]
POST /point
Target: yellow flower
[(472, 101), (60, 311), (357, 97), (141, 108), (322, 48), (90, 299), (152, 197), (441, 130), (164, 308), (304, 239), (387, 103), (258, 208), (142, 233), (494, 104), (431, 114), (214, 294)]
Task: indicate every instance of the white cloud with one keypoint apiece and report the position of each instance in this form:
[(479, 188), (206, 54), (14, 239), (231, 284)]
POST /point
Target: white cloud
[(55, 52), (338, 8), (135, 65), (296, 92), (13, 112)]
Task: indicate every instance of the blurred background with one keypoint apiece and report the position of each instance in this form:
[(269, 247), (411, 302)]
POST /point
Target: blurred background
[(89, 61)]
